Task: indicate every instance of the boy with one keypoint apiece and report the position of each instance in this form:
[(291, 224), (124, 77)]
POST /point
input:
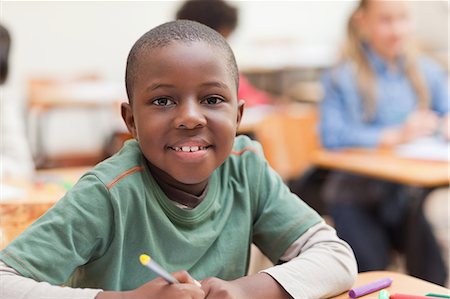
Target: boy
[(186, 191)]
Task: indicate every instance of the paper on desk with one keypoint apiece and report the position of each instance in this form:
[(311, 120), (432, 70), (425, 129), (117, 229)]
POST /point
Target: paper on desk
[(429, 148), (8, 192)]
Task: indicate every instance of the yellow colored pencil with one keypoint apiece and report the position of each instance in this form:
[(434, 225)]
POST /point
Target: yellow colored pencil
[(152, 265)]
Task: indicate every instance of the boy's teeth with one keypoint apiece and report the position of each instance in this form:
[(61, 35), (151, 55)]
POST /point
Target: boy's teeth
[(189, 148)]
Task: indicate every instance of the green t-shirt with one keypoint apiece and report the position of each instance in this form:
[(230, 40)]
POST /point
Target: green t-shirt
[(94, 235)]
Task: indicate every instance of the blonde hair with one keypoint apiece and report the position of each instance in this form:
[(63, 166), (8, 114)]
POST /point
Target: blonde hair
[(354, 52)]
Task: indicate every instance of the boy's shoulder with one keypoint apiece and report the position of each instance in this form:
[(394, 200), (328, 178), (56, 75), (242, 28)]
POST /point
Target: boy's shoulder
[(245, 147), (246, 158), (127, 161), (245, 164)]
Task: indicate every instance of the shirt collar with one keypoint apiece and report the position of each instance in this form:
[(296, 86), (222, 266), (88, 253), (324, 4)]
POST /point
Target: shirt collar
[(180, 197), (378, 63)]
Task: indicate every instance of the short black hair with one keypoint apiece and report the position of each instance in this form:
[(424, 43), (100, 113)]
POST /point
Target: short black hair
[(5, 43), (176, 31), (216, 14)]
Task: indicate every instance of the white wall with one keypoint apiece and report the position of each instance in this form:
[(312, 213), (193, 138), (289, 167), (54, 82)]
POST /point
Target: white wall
[(70, 38), (78, 37)]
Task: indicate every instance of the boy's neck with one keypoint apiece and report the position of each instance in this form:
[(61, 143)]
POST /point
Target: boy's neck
[(188, 195)]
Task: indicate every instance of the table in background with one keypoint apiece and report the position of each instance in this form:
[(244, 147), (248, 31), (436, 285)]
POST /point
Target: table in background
[(401, 283), (33, 199), (386, 165), (422, 175), (48, 97)]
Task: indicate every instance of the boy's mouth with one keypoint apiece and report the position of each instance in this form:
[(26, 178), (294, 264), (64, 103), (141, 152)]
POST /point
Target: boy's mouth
[(188, 149)]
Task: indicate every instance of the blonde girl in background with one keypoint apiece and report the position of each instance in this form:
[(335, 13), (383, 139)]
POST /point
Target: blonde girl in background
[(382, 94)]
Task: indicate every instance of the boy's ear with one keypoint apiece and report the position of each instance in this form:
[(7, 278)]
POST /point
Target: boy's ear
[(241, 104), (128, 118)]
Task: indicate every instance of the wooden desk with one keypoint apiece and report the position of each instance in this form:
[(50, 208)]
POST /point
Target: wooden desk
[(385, 165), (47, 97), (78, 93), (401, 284), (35, 198)]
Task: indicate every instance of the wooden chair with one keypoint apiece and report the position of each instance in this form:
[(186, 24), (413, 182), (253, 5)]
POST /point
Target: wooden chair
[(289, 138)]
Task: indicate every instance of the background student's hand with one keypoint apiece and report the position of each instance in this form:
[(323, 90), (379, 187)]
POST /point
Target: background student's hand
[(188, 288), (446, 127), (419, 124)]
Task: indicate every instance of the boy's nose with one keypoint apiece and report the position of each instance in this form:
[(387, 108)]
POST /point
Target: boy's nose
[(190, 116)]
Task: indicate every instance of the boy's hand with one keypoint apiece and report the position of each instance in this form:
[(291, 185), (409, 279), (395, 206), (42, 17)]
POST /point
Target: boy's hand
[(216, 288), (159, 288), (188, 288), (261, 286)]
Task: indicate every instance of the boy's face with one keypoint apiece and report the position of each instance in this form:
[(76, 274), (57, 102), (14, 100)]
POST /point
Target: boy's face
[(184, 110)]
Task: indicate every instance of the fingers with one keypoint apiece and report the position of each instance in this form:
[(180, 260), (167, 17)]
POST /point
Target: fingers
[(210, 286), (220, 289), (159, 288), (446, 127), (184, 277), (419, 124), (431, 122), (190, 289)]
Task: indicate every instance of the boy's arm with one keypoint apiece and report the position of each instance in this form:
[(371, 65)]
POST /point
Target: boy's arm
[(320, 265), (13, 285), (188, 288)]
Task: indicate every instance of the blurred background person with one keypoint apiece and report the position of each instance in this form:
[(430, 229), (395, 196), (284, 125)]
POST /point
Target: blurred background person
[(382, 94), (223, 17), (16, 161)]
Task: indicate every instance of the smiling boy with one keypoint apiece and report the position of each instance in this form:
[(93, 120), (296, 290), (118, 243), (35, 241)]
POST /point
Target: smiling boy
[(189, 92), (186, 191)]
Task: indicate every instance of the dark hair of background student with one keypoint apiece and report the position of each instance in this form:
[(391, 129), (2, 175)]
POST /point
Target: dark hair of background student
[(5, 43), (216, 14)]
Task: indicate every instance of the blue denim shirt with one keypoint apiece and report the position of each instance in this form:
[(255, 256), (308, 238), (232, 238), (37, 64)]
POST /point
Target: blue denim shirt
[(342, 121)]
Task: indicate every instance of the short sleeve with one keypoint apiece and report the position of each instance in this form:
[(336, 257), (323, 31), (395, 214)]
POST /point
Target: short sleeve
[(281, 216), (75, 231)]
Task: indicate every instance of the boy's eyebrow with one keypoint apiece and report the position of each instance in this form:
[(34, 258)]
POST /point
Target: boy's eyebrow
[(160, 85), (206, 84), (215, 84)]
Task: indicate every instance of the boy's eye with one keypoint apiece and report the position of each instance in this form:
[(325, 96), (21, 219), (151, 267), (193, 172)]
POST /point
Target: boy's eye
[(163, 102), (213, 100)]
